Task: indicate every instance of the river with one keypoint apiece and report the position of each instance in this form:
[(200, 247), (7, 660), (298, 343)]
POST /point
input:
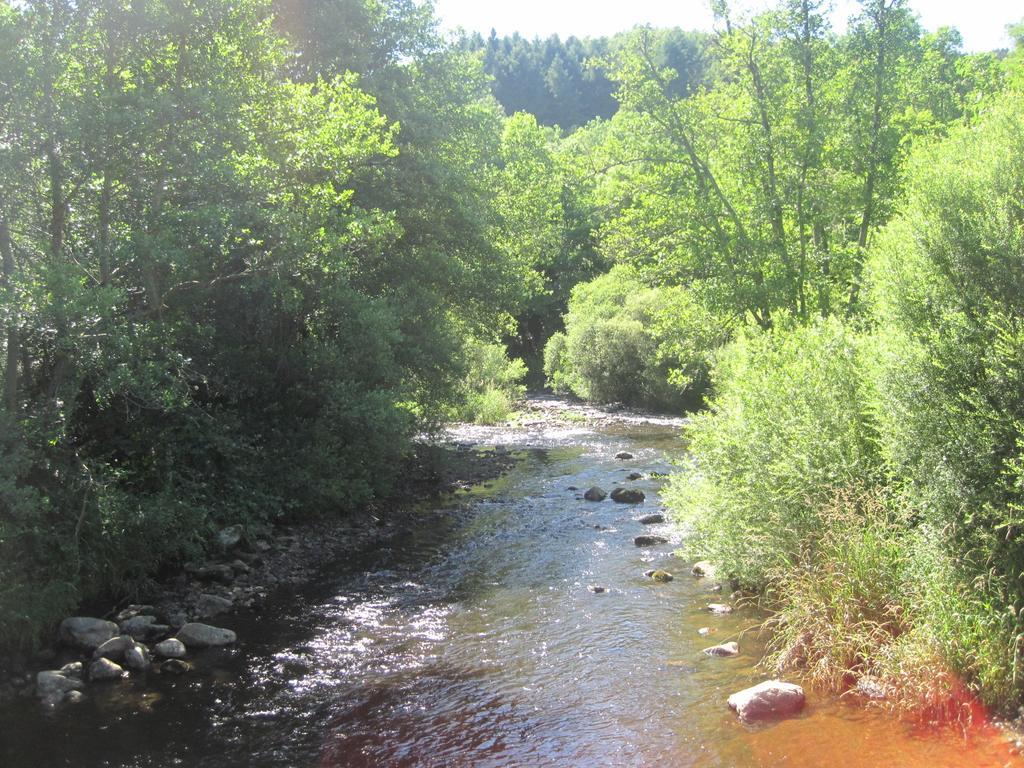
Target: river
[(473, 640)]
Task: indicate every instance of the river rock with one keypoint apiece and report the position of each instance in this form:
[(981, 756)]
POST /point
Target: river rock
[(196, 635), (634, 476), (144, 628), (85, 633), (649, 541), (105, 669), (136, 658), (703, 569), (623, 456), (660, 575), (171, 648), (221, 572), (175, 667), (705, 631), (132, 611), (74, 697), (719, 608), (595, 494), (770, 699), (73, 670), (114, 648), (597, 589), (230, 537), (652, 519), (208, 606), (627, 495), (51, 686), (871, 687), (725, 649)]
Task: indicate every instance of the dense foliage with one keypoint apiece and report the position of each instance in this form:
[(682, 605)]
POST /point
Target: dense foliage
[(240, 264), (565, 83), (249, 249)]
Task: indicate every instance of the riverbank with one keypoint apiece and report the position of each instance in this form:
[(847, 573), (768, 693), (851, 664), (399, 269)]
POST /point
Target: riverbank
[(246, 568)]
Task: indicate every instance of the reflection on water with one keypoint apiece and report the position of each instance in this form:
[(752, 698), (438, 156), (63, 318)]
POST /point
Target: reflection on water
[(472, 640)]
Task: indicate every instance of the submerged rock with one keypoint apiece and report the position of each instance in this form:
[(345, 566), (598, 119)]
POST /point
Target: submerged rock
[(719, 608), (649, 541), (105, 669), (623, 456), (660, 575), (705, 631), (628, 495), (634, 476), (597, 589), (652, 519), (595, 494), (196, 635), (725, 649), (171, 648), (175, 667), (770, 699), (85, 633)]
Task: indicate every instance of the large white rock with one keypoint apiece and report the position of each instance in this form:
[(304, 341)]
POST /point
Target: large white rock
[(770, 699), (86, 633), (196, 635)]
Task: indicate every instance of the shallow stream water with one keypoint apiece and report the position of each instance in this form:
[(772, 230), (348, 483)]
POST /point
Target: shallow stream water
[(473, 640)]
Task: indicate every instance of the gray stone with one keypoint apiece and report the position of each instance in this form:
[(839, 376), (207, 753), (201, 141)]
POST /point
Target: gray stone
[(623, 456), (649, 541), (659, 575), (175, 667), (136, 658), (74, 697), (634, 476), (770, 699), (132, 611), (52, 685), (652, 519), (144, 628), (208, 606), (725, 649), (105, 669), (719, 608), (171, 648), (230, 537), (705, 631), (216, 572), (74, 669), (240, 566), (196, 635), (597, 589), (595, 494), (627, 495), (86, 633), (114, 648)]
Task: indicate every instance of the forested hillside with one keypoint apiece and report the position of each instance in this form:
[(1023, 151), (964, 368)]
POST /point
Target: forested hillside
[(250, 249)]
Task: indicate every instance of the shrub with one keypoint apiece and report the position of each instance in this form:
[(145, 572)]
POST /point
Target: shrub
[(632, 343), (493, 383), (785, 429)]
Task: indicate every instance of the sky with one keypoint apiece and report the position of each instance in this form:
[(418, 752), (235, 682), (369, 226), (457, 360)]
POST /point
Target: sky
[(981, 22)]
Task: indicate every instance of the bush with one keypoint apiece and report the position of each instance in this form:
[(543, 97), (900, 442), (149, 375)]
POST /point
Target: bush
[(493, 383), (785, 429), (945, 290), (631, 343)]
